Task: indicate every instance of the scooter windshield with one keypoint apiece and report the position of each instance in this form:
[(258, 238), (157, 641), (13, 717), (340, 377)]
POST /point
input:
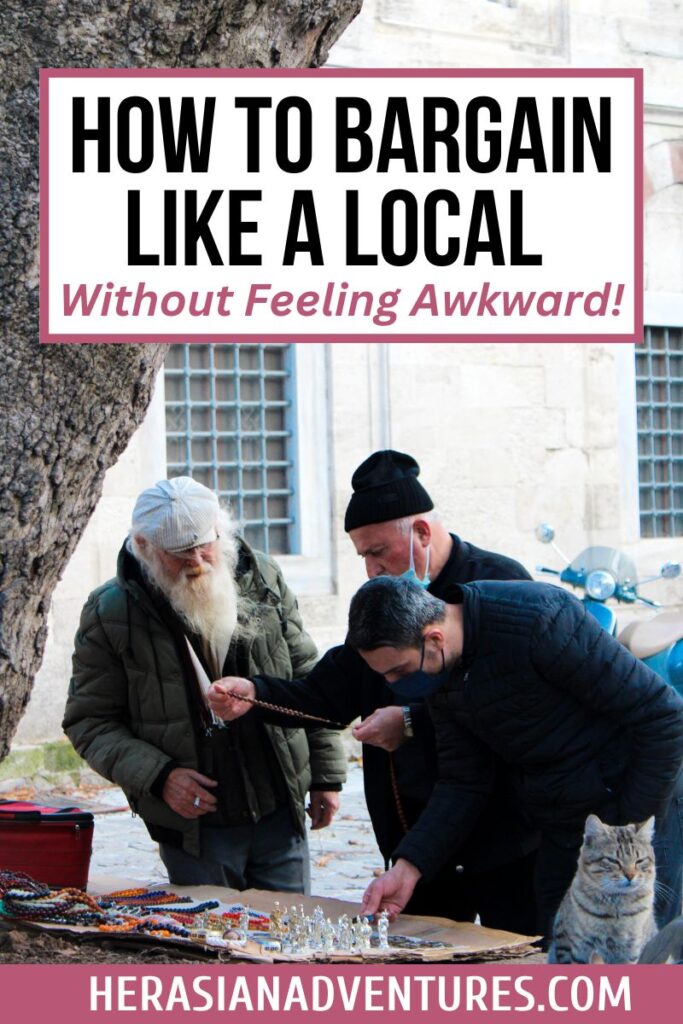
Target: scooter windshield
[(619, 565)]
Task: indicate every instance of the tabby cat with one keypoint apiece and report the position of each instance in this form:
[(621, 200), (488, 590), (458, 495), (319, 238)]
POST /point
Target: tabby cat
[(607, 914)]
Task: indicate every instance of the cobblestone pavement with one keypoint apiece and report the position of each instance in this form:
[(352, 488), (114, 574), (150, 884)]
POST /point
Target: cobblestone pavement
[(343, 856)]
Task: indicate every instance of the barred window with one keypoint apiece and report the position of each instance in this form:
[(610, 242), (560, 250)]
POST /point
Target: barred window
[(230, 423), (659, 399)]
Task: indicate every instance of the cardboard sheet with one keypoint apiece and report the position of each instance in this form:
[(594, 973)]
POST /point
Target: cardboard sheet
[(462, 941)]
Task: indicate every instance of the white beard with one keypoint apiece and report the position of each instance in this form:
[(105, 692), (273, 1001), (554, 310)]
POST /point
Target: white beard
[(207, 603)]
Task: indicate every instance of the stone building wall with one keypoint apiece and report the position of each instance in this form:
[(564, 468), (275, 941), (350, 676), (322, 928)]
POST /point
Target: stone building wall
[(507, 434)]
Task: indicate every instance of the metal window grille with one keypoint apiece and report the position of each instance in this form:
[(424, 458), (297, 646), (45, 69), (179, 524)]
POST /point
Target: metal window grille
[(659, 400), (230, 424)]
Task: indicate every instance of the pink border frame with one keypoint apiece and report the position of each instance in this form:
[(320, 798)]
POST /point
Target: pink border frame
[(47, 992), (636, 74)]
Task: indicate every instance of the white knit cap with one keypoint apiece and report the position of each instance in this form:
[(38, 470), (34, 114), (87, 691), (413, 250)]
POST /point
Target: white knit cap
[(177, 514)]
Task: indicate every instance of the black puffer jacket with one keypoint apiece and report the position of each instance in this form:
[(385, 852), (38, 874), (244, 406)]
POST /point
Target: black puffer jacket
[(342, 687), (581, 724)]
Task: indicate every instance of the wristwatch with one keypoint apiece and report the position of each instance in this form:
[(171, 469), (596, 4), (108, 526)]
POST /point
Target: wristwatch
[(407, 723)]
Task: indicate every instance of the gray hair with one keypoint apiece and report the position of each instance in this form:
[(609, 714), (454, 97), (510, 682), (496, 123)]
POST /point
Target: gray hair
[(405, 524), (389, 611)]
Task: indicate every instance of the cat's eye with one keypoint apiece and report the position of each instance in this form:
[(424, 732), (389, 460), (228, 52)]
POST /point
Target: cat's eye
[(644, 862), (609, 860)]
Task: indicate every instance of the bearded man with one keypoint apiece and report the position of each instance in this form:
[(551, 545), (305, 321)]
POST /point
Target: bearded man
[(192, 602)]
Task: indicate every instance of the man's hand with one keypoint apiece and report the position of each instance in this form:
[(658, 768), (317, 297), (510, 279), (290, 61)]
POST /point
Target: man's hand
[(223, 705), (185, 793), (383, 728), (392, 890), (322, 807)]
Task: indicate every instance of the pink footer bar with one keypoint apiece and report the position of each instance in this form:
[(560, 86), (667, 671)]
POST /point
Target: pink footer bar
[(242, 992)]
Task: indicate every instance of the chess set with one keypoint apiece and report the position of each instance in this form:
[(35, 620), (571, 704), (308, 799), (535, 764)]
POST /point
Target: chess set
[(295, 933)]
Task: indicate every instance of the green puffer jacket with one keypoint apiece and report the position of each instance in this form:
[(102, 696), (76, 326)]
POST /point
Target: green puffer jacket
[(127, 712)]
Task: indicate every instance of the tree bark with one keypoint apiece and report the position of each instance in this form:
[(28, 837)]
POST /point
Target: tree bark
[(68, 411)]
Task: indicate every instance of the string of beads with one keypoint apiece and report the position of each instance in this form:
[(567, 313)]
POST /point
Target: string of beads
[(127, 910)]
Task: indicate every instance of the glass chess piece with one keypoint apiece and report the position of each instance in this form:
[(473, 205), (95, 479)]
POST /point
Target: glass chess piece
[(295, 927), (287, 932), (277, 922), (243, 926), (383, 930), (345, 937), (363, 933), (328, 936), (317, 923), (211, 925)]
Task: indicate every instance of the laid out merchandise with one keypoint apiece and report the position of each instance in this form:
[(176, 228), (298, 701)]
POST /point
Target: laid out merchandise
[(165, 915)]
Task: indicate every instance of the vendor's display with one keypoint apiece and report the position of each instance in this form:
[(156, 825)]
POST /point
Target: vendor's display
[(261, 927), (164, 915)]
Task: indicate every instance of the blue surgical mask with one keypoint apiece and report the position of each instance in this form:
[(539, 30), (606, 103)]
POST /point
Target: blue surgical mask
[(410, 573), (420, 683)]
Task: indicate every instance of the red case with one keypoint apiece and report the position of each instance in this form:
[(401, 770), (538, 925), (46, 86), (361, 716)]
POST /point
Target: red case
[(51, 844)]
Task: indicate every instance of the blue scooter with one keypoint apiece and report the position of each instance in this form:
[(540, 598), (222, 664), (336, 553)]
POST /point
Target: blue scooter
[(603, 573)]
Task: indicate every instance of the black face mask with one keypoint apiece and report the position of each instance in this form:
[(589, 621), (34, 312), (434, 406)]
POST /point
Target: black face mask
[(421, 684)]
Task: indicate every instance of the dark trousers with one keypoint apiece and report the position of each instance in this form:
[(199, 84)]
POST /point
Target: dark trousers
[(267, 855), (503, 897), (558, 855)]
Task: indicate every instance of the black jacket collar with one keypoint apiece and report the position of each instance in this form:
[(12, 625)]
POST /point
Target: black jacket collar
[(467, 595), (454, 568)]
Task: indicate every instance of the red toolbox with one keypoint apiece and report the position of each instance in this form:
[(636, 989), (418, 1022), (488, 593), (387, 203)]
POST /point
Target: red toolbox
[(51, 844)]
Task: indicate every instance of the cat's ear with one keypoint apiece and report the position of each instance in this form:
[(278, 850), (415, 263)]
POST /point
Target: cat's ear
[(594, 827), (596, 958), (645, 829)]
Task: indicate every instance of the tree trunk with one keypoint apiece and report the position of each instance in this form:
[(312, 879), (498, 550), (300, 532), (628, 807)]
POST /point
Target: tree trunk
[(68, 411)]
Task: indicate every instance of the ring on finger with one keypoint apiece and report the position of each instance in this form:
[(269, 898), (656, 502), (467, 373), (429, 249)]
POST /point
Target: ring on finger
[(196, 802)]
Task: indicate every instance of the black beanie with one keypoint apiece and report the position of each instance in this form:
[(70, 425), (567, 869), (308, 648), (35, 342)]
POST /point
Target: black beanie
[(385, 487)]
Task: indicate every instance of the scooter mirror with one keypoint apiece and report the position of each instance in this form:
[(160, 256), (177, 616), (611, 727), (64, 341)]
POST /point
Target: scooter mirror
[(545, 533), (670, 570)]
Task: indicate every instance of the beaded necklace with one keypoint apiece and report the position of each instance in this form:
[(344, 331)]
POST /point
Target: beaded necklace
[(287, 711), (126, 911), (136, 898), (143, 896), (12, 879)]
